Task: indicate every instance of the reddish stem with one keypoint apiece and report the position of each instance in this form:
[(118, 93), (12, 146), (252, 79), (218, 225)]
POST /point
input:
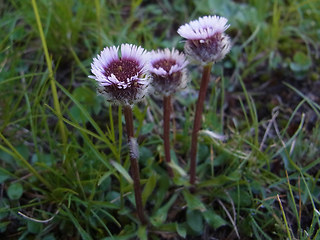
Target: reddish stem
[(166, 131), (134, 164), (197, 121)]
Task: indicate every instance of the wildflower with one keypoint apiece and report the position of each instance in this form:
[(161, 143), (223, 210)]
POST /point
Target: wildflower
[(206, 43), (206, 40), (122, 79), (168, 71), (168, 75)]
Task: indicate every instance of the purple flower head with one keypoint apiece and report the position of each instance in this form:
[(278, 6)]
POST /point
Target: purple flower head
[(122, 79), (206, 40), (168, 71)]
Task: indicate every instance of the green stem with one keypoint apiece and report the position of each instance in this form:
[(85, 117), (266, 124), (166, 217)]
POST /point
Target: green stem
[(197, 120)]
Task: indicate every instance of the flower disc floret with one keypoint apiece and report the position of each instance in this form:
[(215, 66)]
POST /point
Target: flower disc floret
[(168, 71), (121, 79)]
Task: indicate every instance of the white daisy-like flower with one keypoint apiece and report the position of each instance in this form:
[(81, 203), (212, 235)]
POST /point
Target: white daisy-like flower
[(206, 40), (122, 79), (168, 70)]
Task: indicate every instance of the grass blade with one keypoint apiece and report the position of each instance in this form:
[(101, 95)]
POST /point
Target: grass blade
[(52, 80)]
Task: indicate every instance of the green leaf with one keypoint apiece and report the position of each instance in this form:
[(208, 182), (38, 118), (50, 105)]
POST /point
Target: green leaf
[(245, 198), (103, 204), (4, 175), (103, 223), (149, 187), (48, 159), (193, 202), (74, 220), (49, 237), (3, 226), (217, 181), (88, 97), (142, 233), (161, 214), (235, 176), (301, 62), (15, 191), (34, 227), (179, 171), (24, 151), (213, 219), (104, 177), (160, 194), (6, 157), (122, 171), (4, 209), (145, 154), (61, 190), (78, 115), (181, 230), (83, 94), (146, 128), (203, 153), (194, 220), (138, 114)]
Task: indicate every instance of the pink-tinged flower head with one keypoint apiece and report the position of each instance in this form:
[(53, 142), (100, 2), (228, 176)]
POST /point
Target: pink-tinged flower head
[(206, 40), (168, 71), (122, 79)]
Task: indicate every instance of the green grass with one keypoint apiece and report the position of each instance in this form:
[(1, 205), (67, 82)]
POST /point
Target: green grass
[(63, 160)]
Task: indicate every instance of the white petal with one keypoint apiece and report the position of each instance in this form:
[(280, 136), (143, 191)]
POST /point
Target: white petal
[(203, 28)]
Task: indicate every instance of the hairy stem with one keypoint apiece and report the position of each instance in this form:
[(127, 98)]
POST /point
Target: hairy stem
[(197, 121), (127, 110), (166, 131)]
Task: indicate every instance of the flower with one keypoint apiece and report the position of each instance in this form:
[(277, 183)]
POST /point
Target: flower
[(122, 79), (168, 71), (206, 40)]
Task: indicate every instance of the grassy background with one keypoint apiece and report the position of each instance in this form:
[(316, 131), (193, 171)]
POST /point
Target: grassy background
[(64, 163)]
